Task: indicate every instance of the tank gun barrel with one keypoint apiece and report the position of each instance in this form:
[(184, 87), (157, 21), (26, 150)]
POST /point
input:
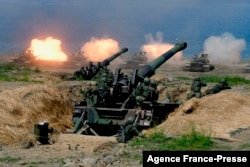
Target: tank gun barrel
[(149, 69), (111, 58)]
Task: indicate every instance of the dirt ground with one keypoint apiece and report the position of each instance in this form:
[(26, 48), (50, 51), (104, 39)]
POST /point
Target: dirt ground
[(79, 150)]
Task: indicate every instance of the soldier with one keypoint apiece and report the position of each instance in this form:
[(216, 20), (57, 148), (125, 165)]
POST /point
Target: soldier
[(129, 130), (196, 88), (154, 91), (90, 95), (144, 92), (103, 90), (222, 85)]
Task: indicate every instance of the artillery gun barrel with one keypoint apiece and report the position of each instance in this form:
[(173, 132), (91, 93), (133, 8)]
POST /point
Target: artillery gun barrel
[(149, 69), (111, 58)]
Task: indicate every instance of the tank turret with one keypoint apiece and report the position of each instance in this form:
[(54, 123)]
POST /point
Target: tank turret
[(134, 61)]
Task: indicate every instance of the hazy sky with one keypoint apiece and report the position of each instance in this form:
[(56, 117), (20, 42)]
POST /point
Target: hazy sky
[(74, 22)]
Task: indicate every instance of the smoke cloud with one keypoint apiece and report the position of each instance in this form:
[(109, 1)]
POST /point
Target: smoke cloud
[(156, 47), (224, 49), (99, 49)]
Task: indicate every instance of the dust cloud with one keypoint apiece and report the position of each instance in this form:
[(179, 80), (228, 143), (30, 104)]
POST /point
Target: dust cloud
[(224, 49)]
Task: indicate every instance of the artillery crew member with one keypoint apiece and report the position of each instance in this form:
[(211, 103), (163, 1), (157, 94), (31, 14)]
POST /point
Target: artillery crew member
[(154, 92), (103, 90), (196, 88), (129, 129), (91, 94), (222, 85), (146, 91)]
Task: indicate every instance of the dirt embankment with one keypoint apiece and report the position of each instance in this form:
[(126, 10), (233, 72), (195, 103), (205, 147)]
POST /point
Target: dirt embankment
[(25, 106), (217, 115)]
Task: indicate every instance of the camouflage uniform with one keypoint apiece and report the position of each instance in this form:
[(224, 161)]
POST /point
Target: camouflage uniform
[(103, 90), (90, 95), (218, 87), (129, 129), (196, 88), (154, 92), (142, 92), (91, 69)]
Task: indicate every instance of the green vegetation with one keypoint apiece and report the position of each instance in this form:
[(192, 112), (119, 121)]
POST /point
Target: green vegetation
[(232, 80), (245, 146), (9, 159), (11, 72), (35, 164), (184, 78), (158, 141)]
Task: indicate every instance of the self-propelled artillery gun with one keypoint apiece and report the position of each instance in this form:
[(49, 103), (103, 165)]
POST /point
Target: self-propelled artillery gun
[(112, 111), (88, 72)]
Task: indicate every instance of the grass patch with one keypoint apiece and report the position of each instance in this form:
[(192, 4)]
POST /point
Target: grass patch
[(245, 146), (158, 141), (183, 78), (9, 159), (11, 72), (232, 80)]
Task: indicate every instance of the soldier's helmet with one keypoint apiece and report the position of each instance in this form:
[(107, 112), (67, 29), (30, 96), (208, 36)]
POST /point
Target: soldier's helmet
[(146, 80), (103, 79), (104, 74), (130, 120), (223, 81), (88, 85), (153, 82), (197, 79), (93, 83)]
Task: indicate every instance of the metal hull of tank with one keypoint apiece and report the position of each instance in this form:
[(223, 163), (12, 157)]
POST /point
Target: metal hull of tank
[(196, 67), (247, 69)]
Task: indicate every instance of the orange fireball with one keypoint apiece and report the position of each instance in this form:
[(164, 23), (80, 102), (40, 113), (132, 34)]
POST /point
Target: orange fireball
[(99, 49), (48, 49)]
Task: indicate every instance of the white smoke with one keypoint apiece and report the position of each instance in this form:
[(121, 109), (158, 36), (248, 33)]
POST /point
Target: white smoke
[(224, 49)]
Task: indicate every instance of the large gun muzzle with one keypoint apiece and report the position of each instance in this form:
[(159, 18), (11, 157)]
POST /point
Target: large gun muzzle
[(111, 58), (149, 69)]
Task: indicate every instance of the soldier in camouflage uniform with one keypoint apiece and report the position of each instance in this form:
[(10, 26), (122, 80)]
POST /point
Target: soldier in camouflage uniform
[(222, 85), (129, 131), (196, 88), (154, 92), (91, 94), (103, 90), (146, 91)]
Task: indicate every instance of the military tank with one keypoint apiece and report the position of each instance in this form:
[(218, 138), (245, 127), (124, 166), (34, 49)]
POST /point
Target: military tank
[(199, 63), (75, 61), (25, 59), (109, 118), (246, 69), (28, 59), (88, 72), (135, 61)]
